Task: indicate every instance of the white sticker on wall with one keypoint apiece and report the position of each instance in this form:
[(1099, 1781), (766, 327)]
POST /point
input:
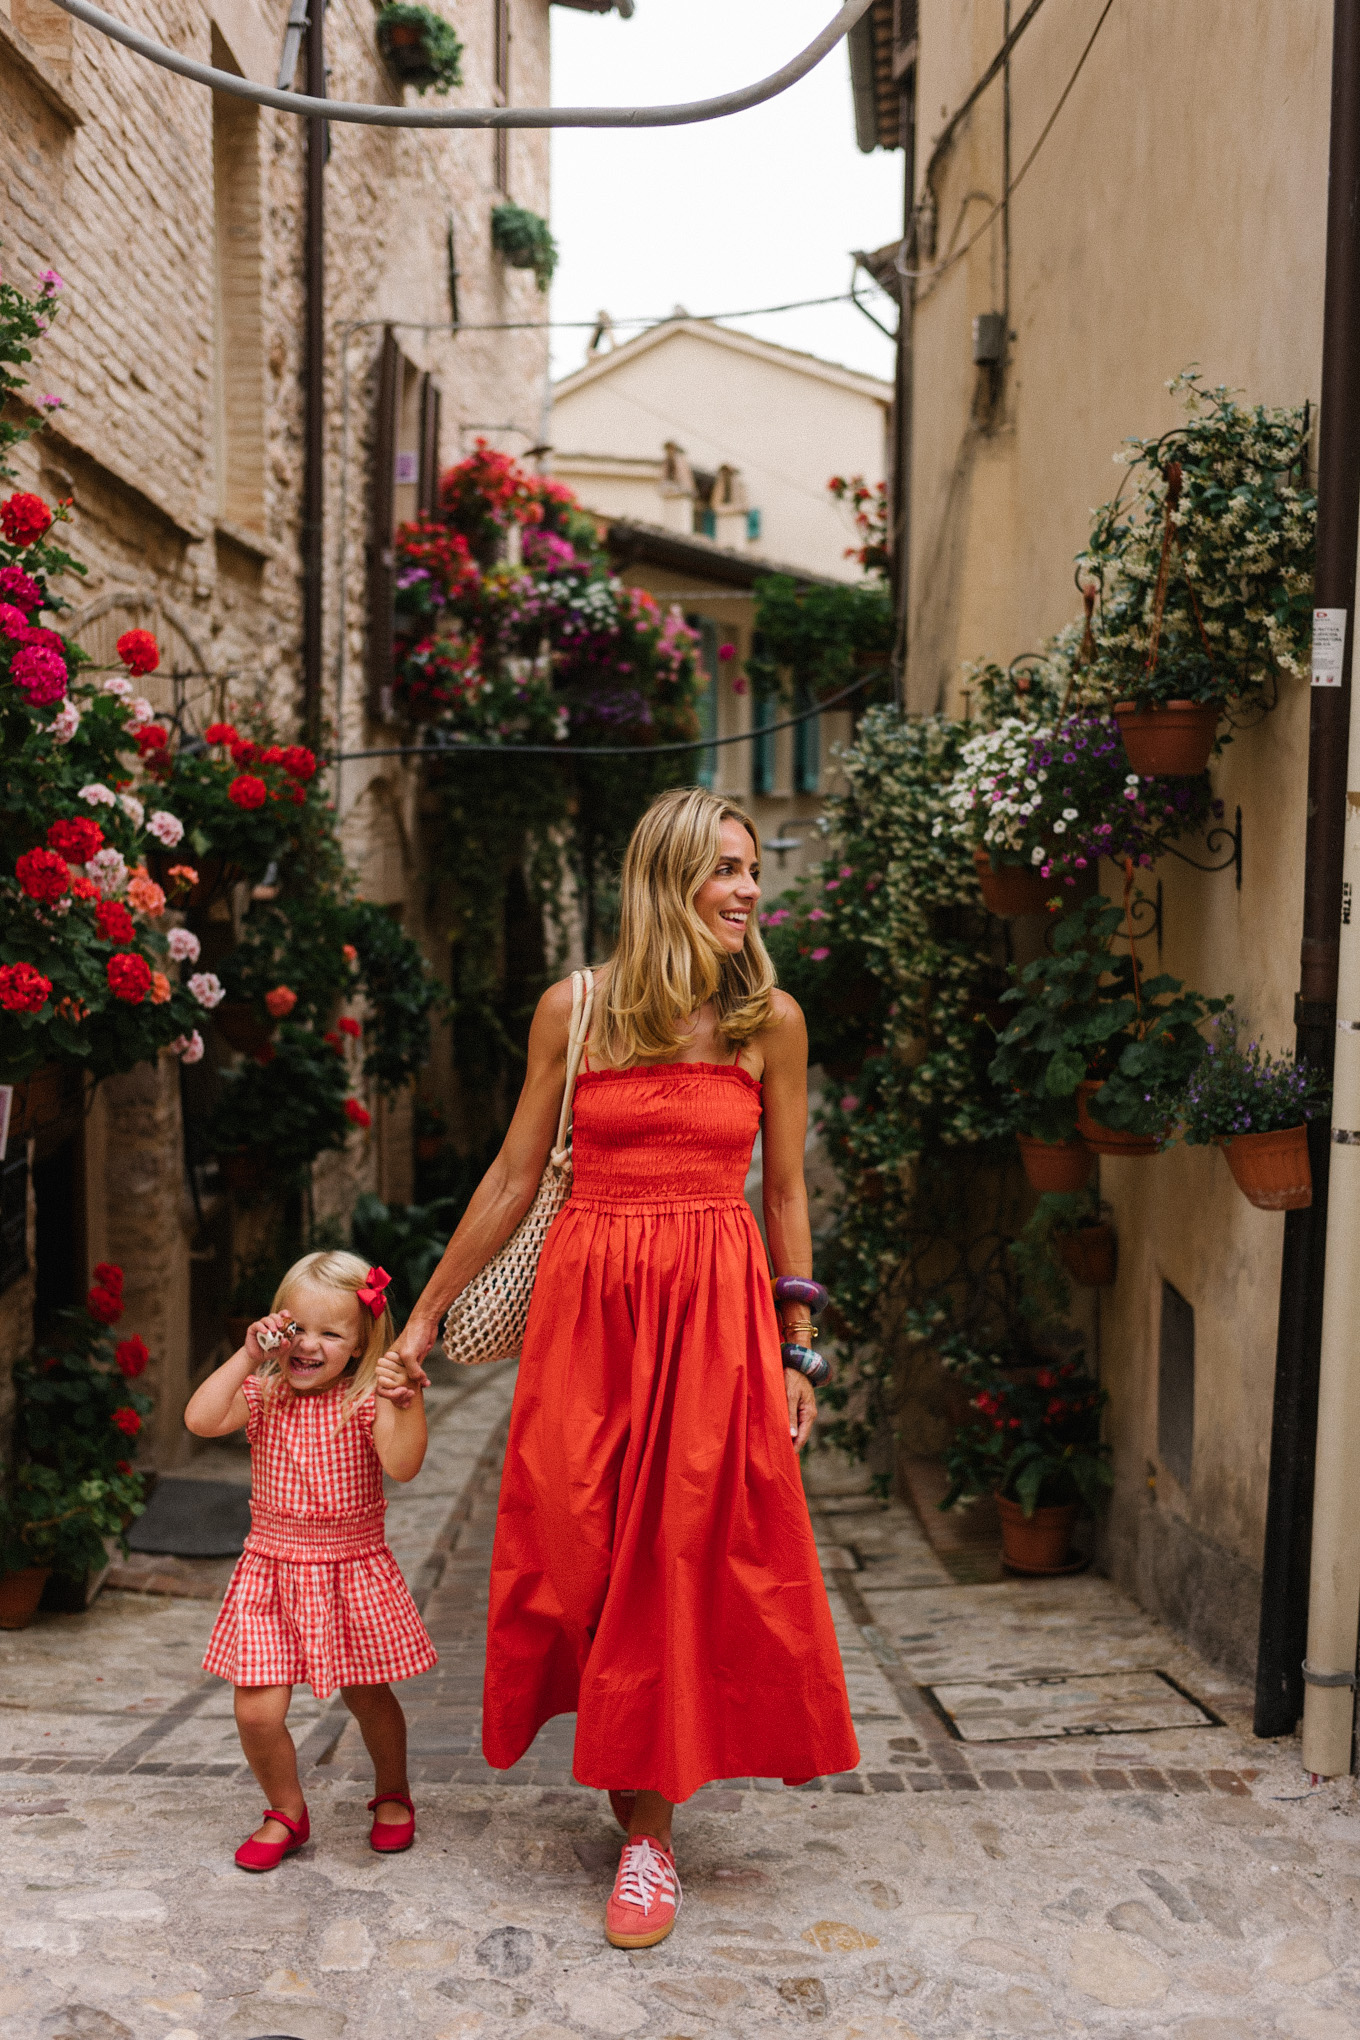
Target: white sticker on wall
[(1329, 646)]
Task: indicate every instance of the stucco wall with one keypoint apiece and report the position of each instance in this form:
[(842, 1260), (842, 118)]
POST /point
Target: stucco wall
[(1175, 215)]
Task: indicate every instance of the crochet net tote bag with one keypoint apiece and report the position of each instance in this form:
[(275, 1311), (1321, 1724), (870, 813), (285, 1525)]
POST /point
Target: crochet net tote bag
[(486, 1321)]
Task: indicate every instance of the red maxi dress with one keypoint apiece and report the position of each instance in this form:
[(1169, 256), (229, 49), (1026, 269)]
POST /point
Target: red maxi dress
[(654, 1567)]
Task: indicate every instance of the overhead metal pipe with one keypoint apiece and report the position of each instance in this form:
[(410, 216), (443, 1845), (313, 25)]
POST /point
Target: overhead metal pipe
[(314, 101), (1294, 1432), (314, 386)]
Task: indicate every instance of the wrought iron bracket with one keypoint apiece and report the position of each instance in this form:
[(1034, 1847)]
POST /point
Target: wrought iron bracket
[(1214, 840)]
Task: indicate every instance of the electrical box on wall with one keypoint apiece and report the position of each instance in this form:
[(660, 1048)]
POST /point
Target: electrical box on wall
[(989, 338)]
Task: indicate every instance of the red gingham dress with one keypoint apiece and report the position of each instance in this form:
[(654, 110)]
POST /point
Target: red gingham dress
[(316, 1594)]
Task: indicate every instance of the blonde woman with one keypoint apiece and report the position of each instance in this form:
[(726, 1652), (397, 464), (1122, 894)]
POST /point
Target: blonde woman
[(317, 1595), (654, 1568)]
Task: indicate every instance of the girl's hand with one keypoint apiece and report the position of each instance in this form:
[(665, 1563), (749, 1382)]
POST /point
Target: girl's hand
[(802, 1407), (394, 1384), (275, 1322)]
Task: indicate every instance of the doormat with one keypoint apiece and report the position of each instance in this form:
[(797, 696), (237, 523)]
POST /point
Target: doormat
[(193, 1519), (1067, 1704)]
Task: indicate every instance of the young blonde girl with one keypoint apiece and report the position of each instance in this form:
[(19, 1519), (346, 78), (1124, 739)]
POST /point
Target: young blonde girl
[(317, 1594)]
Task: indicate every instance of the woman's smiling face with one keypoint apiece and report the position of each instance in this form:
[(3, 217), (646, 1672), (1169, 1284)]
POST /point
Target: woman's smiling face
[(331, 1332), (726, 902)]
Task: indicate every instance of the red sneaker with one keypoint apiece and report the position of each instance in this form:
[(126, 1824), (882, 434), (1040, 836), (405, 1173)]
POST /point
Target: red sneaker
[(253, 1855), (623, 1804), (388, 1837), (646, 1896)]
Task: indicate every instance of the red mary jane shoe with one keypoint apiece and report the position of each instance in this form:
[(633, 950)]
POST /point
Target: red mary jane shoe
[(253, 1855), (389, 1837)]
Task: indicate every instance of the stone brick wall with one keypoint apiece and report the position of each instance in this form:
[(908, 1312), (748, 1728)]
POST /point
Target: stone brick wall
[(176, 221)]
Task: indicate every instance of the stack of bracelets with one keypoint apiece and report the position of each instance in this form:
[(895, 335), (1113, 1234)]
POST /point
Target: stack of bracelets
[(803, 1359)]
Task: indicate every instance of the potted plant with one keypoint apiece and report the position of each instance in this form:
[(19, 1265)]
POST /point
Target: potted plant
[(1256, 1107), (419, 46), (1032, 1439), (55, 1524), (275, 1114), (1089, 1026), (525, 241)]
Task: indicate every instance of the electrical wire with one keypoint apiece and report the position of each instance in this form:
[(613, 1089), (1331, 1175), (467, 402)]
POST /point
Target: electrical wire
[(305, 106), (940, 268), (444, 750), (840, 297)]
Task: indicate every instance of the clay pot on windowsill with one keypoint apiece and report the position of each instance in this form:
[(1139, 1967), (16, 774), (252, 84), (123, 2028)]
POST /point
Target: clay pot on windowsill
[(1109, 1140), (1088, 1254), (1055, 1165), (1041, 1543), (20, 1593), (1170, 739), (1272, 1170), (1011, 889)]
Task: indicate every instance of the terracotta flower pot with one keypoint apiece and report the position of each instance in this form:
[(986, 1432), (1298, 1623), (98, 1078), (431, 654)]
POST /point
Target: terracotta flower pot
[(1040, 1543), (1272, 1169), (1056, 1165), (1109, 1140), (1172, 739), (1088, 1254), (20, 1593), (1010, 889)]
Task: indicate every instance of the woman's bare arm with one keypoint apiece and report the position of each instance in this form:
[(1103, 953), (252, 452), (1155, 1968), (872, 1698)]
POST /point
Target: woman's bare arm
[(507, 1189), (783, 1138)]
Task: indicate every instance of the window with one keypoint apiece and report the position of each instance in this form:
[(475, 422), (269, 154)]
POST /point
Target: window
[(807, 743), (1176, 1385), (706, 766), (404, 480), (500, 32), (706, 523), (753, 525), (238, 310)]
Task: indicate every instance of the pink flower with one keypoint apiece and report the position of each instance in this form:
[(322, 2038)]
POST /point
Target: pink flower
[(39, 673), (64, 723), (726, 652), (166, 828), (820, 955), (849, 1103), (188, 1047), (183, 945), (207, 988), (50, 282)]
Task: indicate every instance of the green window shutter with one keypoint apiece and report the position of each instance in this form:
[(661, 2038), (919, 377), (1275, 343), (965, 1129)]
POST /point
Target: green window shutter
[(807, 744), (706, 766), (706, 523), (764, 711), (753, 524)]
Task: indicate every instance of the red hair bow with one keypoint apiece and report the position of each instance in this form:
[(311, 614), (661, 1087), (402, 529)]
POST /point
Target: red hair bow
[(370, 1290)]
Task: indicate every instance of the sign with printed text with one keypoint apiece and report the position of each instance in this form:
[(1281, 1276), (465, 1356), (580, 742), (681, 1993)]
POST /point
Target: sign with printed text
[(1329, 646)]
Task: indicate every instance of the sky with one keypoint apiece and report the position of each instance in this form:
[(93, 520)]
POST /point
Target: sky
[(756, 209)]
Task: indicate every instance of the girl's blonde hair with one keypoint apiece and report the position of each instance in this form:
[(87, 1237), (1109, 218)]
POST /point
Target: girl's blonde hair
[(666, 962), (337, 1270)]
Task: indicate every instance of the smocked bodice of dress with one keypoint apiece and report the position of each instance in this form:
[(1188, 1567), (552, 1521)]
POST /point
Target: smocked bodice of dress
[(663, 1135)]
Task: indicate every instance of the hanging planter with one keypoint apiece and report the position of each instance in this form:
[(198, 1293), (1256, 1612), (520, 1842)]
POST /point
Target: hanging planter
[(419, 47), (1063, 1166), (1272, 1170), (1009, 889), (1170, 740), (1089, 1255), (1040, 1543), (1110, 1140), (524, 240)]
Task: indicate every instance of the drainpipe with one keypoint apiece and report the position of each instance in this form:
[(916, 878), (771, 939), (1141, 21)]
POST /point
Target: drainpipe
[(314, 383), (1306, 1325)]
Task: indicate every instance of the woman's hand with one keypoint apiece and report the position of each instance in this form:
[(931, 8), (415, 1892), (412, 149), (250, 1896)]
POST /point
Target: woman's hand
[(802, 1407)]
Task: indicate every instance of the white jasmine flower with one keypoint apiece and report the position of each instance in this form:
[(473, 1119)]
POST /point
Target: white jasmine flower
[(1036, 855), (1060, 828), (98, 795), (1069, 814), (207, 988), (184, 945), (166, 828)]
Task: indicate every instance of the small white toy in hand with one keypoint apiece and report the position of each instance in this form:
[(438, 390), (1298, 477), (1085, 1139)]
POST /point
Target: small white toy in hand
[(270, 1342)]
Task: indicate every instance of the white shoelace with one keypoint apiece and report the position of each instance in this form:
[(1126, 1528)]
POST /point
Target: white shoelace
[(645, 1874)]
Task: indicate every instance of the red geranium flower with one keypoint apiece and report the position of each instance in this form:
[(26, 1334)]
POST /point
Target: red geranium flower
[(129, 976), (20, 588), (83, 888), (298, 762), (105, 1305), (247, 791), (76, 840), (220, 733), (24, 519), (122, 1466), (22, 988), (113, 921), (43, 875), (109, 1275), (127, 1420), (139, 651), (39, 673), (351, 1027), (356, 1114), (272, 755), (281, 1001), (243, 752), (132, 1356), (151, 737)]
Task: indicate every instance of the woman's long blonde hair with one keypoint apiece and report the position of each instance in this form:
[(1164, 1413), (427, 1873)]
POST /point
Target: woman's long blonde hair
[(666, 962), (336, 1270)]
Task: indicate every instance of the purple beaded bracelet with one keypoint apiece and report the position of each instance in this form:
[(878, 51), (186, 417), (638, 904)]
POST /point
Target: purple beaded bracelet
[(801, 1289)]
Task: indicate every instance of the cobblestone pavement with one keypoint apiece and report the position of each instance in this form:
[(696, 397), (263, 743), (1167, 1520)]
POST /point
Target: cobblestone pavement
[(993, 1867)]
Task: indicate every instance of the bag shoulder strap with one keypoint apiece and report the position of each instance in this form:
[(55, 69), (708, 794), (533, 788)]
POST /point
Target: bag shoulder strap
[(582, 1002)]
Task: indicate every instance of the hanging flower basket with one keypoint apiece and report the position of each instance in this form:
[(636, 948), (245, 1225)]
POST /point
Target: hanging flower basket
[(1039, 1543), (419, 47), (1272, 1170), (1062, 1166), (1088, 1254), (1170, 740), (1109, 1140), (1008, 889)]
